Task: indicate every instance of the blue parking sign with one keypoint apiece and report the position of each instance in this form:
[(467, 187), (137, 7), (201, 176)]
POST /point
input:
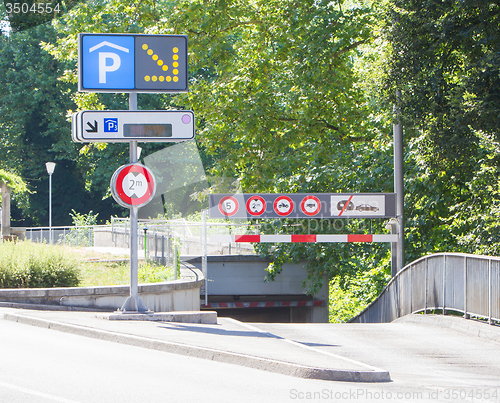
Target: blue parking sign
[(107, 62), (132, 63), (110, 125)]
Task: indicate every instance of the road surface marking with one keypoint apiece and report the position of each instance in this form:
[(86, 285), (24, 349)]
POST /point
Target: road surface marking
[(37, 393)]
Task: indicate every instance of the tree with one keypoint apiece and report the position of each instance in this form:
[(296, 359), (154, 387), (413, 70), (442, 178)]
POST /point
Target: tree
[(446, 60), (279, 92), (35, 130), (276, 90)]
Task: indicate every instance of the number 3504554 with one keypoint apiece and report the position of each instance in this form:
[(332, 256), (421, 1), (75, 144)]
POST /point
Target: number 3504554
[(25, 8)]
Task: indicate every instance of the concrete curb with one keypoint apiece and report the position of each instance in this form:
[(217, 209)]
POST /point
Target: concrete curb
[(206, 317), (44, 307), (264, 364)]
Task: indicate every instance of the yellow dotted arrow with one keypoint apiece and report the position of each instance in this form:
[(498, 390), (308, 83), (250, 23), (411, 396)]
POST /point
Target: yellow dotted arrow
[(164, 67)]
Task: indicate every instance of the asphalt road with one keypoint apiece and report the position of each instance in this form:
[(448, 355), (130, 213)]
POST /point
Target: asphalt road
[(427, 364), (459, 366), (43, 366)]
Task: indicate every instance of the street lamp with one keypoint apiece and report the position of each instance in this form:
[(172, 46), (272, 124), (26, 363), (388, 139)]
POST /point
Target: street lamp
[(50, 170)]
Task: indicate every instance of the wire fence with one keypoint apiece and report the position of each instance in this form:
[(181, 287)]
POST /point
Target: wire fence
[(81, 236)]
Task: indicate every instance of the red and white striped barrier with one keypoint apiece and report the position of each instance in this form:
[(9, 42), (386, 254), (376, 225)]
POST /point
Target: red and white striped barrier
[(267, 304), (306, 238)]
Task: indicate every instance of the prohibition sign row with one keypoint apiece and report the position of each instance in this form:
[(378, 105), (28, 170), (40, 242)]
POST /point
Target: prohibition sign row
[(282, 205)]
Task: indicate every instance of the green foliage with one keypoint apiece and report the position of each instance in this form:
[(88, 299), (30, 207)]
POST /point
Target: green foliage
[(446, 61), (149, 272), (280, 87), (30, 265), (95, 274), (81, 234), (349, 295), (83, 219), (276, 87), (15, 182)]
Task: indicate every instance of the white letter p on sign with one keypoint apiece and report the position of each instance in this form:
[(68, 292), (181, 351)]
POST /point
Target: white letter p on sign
[(104, 68)]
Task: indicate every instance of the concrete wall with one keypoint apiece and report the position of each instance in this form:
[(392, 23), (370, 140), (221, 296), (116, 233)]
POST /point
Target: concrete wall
[(244, 275), (179, 295)]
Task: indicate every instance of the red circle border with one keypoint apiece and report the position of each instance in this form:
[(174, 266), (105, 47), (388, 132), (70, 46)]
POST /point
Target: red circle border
[(224, 213), (263, 202), (302, 204), (275, 205)]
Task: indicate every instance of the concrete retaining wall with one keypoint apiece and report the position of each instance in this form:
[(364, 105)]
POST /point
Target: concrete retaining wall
[(179, 295), (244, 276)]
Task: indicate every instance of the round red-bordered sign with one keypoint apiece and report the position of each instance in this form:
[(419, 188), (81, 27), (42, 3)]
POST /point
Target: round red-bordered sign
[(310, 205), (283, 205), (228, 206), (256, 205), (133, 185)]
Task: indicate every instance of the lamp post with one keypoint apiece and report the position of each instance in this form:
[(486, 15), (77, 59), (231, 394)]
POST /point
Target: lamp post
[(50, 170)]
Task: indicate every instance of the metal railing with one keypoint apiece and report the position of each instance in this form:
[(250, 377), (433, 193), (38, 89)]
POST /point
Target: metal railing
[(190, 235), (159, 242), (74, 236), (445, 281)]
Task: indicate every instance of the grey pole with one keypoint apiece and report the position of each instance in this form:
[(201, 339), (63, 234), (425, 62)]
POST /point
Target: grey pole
[(50, 208), (394, 252), (204, 265), (399, 184), (134, 302), (50, 170)]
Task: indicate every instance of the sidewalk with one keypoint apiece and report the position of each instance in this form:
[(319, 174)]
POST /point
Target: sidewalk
[(228, 341)]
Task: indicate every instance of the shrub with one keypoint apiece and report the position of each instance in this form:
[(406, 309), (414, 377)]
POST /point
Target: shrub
[(349, 296), (31, 265), (149, 272)]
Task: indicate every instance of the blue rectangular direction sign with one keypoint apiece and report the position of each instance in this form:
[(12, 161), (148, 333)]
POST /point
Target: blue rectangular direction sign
[(132, 63)]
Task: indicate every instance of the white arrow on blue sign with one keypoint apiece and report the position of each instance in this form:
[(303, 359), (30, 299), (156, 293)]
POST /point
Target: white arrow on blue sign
[(132, 63)]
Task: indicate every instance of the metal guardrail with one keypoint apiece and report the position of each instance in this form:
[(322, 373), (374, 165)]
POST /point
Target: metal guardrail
[(191, 234), (74, 236), (159, 244), (445, 281)]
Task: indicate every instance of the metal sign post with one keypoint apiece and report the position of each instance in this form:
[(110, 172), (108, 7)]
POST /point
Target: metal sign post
[(397, 259), (132, 63), (134, 302), (204, 266), (144, 189)]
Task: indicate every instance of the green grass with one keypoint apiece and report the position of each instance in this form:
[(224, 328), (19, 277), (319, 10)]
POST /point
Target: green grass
[(34, 265), (118, 273)]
